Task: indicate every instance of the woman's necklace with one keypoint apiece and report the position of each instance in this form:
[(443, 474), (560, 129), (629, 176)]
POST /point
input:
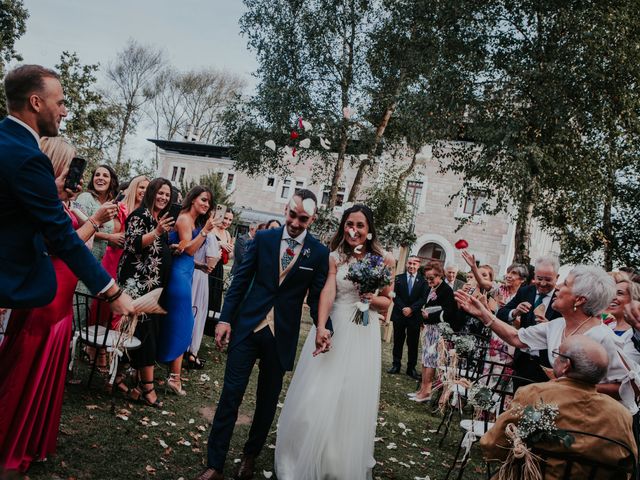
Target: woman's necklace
[(575, 329)]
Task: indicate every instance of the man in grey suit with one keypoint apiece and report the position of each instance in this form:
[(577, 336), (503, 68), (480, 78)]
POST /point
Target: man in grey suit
[(451, 274)]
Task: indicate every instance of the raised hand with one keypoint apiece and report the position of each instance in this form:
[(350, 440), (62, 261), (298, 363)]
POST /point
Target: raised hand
[(632, 314), (469, 258), (522, 309), (473, 306)]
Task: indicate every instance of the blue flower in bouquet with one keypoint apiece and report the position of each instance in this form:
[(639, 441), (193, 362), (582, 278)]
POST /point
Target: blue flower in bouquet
[(369, 275)]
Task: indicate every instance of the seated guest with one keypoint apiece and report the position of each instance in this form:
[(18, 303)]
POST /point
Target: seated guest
[(438, 295), (580, 299), (531, 305), (580, 364)]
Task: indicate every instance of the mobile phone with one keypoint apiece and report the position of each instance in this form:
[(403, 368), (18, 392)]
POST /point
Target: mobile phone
[(219, 215), (76, 170), (120, 197), (174, 211)]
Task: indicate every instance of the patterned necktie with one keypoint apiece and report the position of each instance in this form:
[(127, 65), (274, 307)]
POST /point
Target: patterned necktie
[(538, 301), (410, 283), (286, 256)]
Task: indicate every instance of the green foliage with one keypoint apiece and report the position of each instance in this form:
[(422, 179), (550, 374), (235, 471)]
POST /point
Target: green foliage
[(13, 24), (392, 213), (91, 121), (325, 225)]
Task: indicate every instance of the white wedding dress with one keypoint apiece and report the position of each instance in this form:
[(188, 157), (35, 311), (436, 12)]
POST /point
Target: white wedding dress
[(327, 426)]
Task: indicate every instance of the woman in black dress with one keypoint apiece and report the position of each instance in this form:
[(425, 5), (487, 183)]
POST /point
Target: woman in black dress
[(143, 267)]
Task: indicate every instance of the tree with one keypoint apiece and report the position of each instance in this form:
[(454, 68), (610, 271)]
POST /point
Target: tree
[(193, 100), (213, 182), (132, 75), (550, 89), (91, 121), (13, 24)]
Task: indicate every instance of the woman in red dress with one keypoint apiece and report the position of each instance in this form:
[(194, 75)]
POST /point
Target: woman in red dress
[(35, 352)]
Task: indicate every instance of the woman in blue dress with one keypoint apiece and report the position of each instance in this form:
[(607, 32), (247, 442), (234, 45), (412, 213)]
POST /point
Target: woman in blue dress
[(192, 227)]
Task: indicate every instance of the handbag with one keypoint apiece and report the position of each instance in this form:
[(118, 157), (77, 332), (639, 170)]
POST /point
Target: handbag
[(224, 256)]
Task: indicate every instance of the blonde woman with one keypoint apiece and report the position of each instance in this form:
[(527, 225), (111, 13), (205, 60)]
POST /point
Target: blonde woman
[(36, 346)]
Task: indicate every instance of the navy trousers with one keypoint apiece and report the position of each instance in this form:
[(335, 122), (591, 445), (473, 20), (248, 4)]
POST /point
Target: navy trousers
[(260, 346)]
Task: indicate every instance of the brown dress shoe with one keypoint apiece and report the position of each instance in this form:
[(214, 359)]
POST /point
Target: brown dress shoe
[(210, 474), (247, 465)]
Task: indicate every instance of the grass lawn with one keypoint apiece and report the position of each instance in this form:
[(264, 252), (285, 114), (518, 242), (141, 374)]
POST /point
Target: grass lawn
[(131, 441)]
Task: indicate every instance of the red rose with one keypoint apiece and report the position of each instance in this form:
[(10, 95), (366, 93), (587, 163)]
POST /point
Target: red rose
[(294, 135), (290, 252), (461, 244)]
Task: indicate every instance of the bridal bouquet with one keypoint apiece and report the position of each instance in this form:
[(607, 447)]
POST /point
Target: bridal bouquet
[(369, 275)]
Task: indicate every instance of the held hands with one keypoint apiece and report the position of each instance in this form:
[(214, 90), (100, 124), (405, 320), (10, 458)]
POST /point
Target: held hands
[(323, 341), (223, 334)]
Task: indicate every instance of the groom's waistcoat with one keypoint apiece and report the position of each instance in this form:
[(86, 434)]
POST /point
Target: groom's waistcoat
[(260, 287)]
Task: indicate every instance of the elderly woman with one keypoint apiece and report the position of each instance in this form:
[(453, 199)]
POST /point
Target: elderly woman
[(581, 298), (440, 295)]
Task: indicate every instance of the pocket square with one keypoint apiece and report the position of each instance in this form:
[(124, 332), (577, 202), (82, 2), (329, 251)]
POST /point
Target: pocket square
[(306, 268)]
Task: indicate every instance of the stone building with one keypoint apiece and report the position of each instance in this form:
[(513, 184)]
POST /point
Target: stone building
[(436, 216)]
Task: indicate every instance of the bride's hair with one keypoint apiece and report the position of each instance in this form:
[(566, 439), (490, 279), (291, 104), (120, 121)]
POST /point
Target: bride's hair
[(337, 242)]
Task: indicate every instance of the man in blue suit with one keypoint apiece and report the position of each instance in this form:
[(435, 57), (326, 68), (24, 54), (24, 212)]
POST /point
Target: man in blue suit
[(32, 219), (525, 308), (261, 314)]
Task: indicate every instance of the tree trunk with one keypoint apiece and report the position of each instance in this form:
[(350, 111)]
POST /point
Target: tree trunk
[(123, 134), (339, 168), (368, 162), (405, 173), (523, 234), (607, 231)]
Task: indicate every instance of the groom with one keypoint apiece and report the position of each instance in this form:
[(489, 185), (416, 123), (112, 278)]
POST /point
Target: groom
[(261, 315)]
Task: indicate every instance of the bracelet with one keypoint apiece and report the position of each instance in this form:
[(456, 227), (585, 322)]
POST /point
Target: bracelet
[(115, 296), (488, 324), (94, 224)]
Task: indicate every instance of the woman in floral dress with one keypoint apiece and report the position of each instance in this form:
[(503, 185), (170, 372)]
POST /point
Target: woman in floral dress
[(143, 267)]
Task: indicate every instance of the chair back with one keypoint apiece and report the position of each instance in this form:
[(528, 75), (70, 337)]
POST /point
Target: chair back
[(568, 465)]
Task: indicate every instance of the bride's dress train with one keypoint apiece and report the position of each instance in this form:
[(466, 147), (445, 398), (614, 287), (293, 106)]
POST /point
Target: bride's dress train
[(327, 426)]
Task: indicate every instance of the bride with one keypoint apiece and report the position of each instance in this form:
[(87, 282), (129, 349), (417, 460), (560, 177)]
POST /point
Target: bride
[(327, 426)]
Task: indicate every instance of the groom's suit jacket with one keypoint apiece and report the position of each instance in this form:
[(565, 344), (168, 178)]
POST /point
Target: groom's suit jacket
[(30, 214), (256, 290)]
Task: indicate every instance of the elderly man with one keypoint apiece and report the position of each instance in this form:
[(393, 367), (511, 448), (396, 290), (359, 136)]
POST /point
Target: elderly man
[(451, 277), (530, 306), (580, 363), (411, 294)]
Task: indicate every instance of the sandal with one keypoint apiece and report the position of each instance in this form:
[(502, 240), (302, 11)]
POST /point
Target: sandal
[(119, 385), (194, 362), (140, 394), (174, 383)]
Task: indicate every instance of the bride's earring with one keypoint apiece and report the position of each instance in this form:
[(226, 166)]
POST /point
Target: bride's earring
[(575, 308)]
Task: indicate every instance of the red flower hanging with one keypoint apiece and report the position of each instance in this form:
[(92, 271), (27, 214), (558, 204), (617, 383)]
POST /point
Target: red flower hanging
[(461, 244), (293, 135)]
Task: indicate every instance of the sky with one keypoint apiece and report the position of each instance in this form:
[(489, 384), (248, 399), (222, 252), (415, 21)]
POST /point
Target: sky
[(193, 34)]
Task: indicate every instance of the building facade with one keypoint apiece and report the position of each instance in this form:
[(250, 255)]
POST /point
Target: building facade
[(436, 212)]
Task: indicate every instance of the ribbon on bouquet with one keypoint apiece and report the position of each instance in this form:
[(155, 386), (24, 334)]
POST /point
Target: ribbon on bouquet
[(521, 462), (361, 314)]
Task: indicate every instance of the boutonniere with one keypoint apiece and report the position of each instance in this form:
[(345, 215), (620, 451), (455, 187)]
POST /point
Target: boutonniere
[(306, 252)]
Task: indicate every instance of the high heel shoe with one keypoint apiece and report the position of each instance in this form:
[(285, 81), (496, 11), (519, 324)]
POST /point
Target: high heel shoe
[(174, 383), (141, 394), (194, 362)]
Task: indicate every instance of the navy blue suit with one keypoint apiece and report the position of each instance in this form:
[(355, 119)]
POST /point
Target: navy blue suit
[(34, 223), (525, 365), (407, 327), (254, 291)]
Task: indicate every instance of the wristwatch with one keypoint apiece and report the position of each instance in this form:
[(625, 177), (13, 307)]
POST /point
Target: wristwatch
[(203, 233)]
